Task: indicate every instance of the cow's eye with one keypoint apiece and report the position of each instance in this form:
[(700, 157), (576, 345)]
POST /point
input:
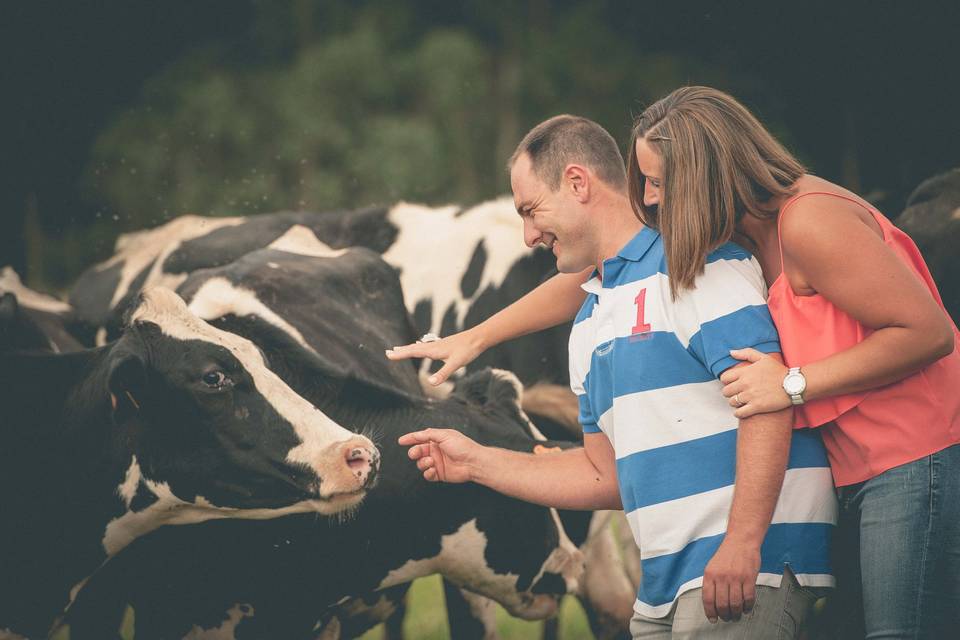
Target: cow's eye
[(216, 379)]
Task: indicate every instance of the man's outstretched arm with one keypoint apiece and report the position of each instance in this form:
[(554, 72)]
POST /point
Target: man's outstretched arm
[(582, 478)]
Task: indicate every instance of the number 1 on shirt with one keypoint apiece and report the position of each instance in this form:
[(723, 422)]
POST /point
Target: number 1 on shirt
[(641, 326)]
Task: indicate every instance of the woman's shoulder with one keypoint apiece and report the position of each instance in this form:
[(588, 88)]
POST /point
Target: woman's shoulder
[(813, 191), (819, 208)]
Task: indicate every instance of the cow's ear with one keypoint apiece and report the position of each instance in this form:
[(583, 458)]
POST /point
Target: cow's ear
[(127, 383)]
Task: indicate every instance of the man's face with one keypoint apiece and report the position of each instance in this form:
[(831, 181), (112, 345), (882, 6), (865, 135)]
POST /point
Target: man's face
[(555, 219)]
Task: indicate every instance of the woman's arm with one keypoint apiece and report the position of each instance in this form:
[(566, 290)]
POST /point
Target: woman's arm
[(553, 302), (832, 251)]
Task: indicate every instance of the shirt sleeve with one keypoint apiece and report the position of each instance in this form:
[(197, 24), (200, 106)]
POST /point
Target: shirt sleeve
[(727, 310), (586, 416)]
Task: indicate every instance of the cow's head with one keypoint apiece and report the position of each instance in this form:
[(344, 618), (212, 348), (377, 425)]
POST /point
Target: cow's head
[(215, 433), (932, 209)]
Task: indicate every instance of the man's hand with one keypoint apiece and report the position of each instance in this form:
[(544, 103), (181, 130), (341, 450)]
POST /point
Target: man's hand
[(442, 455), (455, 351), (730, 581)]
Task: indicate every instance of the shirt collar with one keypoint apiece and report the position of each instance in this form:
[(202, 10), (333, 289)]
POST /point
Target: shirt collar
[(593, 284), (632, 251), (639, 244)]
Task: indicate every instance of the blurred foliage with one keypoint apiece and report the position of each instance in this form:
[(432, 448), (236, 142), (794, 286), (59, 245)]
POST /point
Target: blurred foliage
[(227, 107), (370, 106)]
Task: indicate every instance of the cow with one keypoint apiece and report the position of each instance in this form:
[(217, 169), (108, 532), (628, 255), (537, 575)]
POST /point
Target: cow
[(457, 267), (175, 423), (932, 219), (43, 321), (358, 290), (277, 579)]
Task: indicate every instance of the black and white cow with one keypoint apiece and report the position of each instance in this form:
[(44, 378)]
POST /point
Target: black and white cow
[(457, 267), (177, 422), (276, 579), (932, 219)]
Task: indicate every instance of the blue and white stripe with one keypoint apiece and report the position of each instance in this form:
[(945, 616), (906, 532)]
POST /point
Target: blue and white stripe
[(657, 397)]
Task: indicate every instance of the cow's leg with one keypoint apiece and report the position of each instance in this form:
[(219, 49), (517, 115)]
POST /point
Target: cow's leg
[(470, 616), (393, 625), (606, 590)]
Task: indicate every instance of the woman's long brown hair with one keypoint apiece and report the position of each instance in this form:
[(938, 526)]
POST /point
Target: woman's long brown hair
[(719, 163)]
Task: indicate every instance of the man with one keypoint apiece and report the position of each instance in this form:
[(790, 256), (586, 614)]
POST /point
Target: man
[(660, 441)]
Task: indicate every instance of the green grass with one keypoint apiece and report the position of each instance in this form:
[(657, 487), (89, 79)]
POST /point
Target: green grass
[(427, 620)]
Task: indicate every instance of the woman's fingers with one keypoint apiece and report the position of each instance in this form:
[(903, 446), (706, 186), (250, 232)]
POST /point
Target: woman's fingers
[(449, 366), (430, 350)]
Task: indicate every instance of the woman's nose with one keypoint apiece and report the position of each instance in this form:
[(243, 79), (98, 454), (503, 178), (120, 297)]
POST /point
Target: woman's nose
[(651, 196)]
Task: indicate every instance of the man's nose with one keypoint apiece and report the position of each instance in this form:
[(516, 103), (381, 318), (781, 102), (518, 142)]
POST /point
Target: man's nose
[(531, 237)]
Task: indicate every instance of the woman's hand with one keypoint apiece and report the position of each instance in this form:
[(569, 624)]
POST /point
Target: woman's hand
[(455, 351), (756, 387)]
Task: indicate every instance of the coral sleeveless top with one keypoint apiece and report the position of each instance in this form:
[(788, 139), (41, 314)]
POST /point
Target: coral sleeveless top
[(869, 432)]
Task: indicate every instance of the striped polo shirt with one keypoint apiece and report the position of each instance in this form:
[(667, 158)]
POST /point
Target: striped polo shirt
[(645, 369)]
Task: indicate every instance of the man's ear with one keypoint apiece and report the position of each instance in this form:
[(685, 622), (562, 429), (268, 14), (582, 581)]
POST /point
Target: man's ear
[(127, 382), (577, 179)]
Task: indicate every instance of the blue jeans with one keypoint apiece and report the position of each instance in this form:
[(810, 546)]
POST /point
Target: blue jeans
[(906, 524)]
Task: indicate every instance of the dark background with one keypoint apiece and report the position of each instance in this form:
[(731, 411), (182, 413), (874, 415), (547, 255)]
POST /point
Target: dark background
[(120, 115)]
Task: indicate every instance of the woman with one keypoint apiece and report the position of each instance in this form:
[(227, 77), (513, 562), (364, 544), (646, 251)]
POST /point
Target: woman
[(870, 353)]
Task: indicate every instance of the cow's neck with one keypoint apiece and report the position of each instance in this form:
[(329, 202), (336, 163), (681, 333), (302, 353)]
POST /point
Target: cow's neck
[(58, 480)]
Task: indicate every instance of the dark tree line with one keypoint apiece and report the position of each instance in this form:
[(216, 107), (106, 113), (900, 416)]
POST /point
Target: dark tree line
[(128, 114)]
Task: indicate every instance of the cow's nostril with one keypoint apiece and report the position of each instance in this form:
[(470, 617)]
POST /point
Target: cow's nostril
[(359, 460)]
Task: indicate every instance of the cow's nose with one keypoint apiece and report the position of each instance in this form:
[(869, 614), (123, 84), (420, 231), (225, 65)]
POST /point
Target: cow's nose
[(364, 463)]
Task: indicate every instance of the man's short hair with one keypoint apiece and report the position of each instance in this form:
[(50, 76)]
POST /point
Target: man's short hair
[(565, 139)]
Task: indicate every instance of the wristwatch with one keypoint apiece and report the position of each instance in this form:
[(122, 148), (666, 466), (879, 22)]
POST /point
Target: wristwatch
[(794, 384)]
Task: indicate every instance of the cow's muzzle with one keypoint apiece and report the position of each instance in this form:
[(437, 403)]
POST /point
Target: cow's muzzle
[(351, 469), (364, 462)]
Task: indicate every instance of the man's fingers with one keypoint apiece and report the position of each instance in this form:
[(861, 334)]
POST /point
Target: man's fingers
[(431, 475), (421, 437), (709, 600), (414, 437), (749, 596), (736, 601), (418, 451), (425, 463), (723, 600)]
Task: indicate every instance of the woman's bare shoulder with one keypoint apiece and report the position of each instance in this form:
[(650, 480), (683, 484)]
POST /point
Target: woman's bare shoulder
[(821, 208)]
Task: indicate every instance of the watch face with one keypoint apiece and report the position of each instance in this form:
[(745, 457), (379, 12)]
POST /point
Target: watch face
[(794, 383)]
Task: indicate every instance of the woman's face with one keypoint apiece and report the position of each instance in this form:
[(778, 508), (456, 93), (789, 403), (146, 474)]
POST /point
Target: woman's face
[(648, 161)]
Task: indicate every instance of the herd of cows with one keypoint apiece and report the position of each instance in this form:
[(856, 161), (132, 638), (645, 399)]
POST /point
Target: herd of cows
[(206, 432)]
